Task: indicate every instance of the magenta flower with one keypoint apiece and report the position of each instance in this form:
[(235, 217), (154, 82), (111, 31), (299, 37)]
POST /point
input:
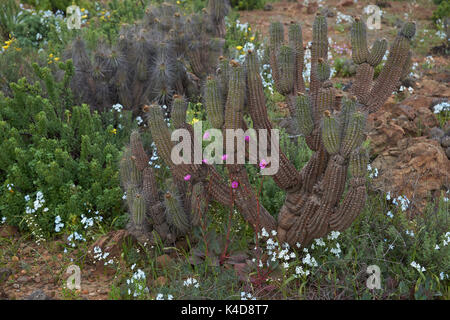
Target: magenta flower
[(262, 164), (187, 177), (206, 135), (224, 157), (205, 161), (247, 138), (234, 184)]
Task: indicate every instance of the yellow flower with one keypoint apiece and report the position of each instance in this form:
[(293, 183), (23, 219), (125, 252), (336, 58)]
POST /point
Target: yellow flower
[(8, 42), (50, 62), (51, 55), (18, 49), (84, 17), (56, 59), (252, 38), (249, 29), (82, 9), (195, 120), (239, 48), (114, 131), (178, 2), (5, 47)]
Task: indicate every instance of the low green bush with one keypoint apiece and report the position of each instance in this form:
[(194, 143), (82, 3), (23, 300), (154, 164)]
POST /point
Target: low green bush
[(58, 159)]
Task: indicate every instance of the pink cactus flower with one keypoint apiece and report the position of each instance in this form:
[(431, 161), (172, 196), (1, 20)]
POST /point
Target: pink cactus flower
[(234, 184), (262, 164), (187, 177)]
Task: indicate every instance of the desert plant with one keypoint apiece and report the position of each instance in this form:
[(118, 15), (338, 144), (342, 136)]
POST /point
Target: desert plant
[(333, 126), (60, 152), (151, 59)]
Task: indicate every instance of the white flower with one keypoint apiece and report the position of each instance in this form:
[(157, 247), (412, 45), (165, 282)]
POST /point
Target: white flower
[(191, 282), (264, 233), (389, 214), (417, 266)]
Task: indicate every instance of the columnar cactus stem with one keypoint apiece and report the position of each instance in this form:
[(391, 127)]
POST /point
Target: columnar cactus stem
[(315, 201)]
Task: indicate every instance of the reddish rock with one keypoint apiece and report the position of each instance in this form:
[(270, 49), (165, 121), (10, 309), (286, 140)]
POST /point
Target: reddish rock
[(312, 7), (345, 3), (415, 168), (8, 231)]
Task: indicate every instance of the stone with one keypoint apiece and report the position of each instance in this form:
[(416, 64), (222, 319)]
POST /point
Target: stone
[(445, 142), (163, 261), (345, 3), (160, 281), (23, 279), (38, 295), (312, 7), (8, 231), (436, 133), (415, 168), (268, 7)]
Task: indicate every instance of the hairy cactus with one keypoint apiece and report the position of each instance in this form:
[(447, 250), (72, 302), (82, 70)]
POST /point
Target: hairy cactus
[(315, 202), (165, 54)]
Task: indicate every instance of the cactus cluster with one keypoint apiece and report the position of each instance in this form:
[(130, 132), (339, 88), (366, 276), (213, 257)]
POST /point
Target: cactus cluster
[(333, 126), (166, 53)]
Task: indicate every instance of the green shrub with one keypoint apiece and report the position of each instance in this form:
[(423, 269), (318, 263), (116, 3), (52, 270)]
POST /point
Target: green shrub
[(50, 4), (61, 153), (442, 11)]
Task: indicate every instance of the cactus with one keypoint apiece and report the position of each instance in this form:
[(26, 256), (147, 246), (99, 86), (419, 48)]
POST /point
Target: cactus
[(165, 54), (315, 202)]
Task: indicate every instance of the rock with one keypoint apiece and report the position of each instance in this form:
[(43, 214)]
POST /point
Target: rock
[(268, 7), (38, 295), (433, 88), (5, 273), (16, 285), (8, 231), (327, 12), (445, 142), (312, 7), (160, 281), (345, 3), (23, 279), (383, 4), (436, 133), (395, 121), (415, 168), (163, 261)]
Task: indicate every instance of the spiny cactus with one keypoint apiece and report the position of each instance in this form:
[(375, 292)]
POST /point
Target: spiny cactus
[(315, 202), (166, 53)]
